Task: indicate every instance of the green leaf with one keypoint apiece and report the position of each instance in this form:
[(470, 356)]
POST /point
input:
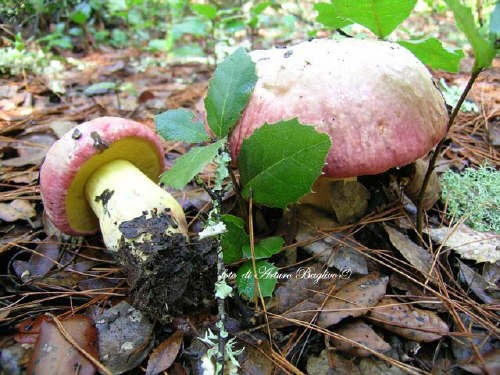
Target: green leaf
[(432, 53), (229, 91), (180, 125), (484, 52), (329, 17), (380, 16), (100, 88), (260, 7), (190, 25), (190, 164), (234, 239), (265, 248), (205, 10), (280, 162), (81, 13), (266, 277)]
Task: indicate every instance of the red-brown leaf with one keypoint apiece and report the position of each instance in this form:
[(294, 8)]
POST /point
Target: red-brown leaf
[(54, 355), (164, 354)]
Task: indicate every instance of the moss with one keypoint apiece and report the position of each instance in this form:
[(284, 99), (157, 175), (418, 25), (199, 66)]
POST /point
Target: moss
[(474, 194)]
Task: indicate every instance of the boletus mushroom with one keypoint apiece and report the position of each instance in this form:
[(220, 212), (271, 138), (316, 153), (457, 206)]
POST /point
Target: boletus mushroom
[(103, 174), (375, 100)]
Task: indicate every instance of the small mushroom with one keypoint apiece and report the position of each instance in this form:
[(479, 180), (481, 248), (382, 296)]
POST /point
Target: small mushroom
[(375, 100), (102, 173)]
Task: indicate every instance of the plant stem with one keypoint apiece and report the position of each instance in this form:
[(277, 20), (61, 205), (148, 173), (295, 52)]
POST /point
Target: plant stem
[(437, 151), (216, 194)]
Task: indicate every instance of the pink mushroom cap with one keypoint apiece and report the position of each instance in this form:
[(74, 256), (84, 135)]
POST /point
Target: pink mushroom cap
[(375, 100), (73, 158)]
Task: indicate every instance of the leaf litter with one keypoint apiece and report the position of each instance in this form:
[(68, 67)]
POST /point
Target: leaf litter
[(23, 147)]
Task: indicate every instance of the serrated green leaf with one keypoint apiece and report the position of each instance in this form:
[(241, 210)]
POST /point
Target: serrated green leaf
[(234, 239), (190, 164), (280, 162), (484, 50), (266, 277), (265, 248), (380, 16), (100, 88), (180, 125), (205, 10), (229, 91), (432, 53), (329, 17)]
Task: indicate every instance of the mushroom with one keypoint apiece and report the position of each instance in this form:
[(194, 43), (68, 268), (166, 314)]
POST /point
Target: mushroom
[(375, 100), (101, 174)]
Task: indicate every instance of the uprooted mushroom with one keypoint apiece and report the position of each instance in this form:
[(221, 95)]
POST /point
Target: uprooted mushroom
[(103, 174), (375, 100)]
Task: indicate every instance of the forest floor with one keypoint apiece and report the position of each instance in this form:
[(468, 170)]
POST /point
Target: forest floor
[(45, 272)]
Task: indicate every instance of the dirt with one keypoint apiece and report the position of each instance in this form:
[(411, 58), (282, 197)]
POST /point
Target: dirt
[(176, 277)]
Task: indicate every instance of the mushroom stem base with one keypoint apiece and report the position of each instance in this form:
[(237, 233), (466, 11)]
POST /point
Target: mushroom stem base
[(130, 206)]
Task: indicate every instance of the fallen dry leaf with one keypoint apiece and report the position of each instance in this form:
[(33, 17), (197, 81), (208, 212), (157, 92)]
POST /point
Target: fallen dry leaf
[(470, 244), (347, 199), (18, 209), (61, 127), (363, 334), (336, 250), (416, 255), (54, 355), (353, 299), (43, 259), (300, 297), (478, 284), (491, 360), (31, 149), (164, 355), (253, 362), (433, 190), (408, 321)]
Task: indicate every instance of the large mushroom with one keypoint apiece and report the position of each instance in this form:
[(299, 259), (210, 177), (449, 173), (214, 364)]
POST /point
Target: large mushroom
[(103, 173), (375, 100)]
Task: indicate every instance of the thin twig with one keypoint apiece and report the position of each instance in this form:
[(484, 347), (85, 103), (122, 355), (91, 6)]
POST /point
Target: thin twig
[(437, 151)]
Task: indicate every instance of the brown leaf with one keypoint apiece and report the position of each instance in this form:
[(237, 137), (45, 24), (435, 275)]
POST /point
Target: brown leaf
[(336, 250), (164, 354), (300, 297), (18, 209), (43, 259), (491, 360), (354, 299), (253, 362), (470, 244), (54, 355), (433, 191), (29, 330), (347, 199), (477, 283), (408, 321), (31, 149), (416, 255), (363, 334)]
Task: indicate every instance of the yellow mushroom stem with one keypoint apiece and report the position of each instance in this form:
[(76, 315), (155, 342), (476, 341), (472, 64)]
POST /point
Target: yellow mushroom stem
[(119, 192)]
